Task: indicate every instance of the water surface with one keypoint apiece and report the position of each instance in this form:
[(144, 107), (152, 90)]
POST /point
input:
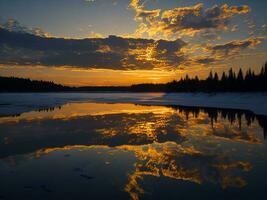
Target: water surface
[(128, 151)]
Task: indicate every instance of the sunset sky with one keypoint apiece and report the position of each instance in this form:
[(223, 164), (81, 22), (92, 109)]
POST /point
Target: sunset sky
[(124, 42)]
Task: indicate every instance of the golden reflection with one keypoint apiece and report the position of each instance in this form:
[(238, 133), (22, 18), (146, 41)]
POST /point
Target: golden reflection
[(182, 124), (74, 110), (142, 123), (182, 163), (185, 144), (202, 126), (174, 161)]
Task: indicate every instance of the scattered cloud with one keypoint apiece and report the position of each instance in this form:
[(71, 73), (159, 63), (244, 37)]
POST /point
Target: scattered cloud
[(234, 47), (14, 26), (213, 53), (184, 21)]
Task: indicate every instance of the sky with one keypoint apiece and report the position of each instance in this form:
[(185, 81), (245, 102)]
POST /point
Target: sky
[(124, 42)]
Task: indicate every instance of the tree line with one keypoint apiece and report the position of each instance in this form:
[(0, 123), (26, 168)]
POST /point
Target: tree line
[(13, 84), (228, 82), (247, 81)]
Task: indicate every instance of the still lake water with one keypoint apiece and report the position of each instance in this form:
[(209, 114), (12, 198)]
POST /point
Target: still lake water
[(127, 151)]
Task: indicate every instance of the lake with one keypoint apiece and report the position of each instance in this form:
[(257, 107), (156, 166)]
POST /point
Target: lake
[(95, 149)]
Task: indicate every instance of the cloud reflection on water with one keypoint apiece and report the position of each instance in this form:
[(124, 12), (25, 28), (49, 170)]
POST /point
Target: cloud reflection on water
[(186, 144)]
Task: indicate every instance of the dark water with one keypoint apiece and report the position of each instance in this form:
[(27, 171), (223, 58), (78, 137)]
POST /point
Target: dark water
[(127, 151)]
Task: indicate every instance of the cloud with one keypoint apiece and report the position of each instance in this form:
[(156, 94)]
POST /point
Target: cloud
[(20, 45), (206, 54), (184, 21), (114, 52), (142, 14), (14, 26), (234, 47)]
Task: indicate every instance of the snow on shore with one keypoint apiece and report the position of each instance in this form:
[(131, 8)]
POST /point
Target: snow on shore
[(16, 103)]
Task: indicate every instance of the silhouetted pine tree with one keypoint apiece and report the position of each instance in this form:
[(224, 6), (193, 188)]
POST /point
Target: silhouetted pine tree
[(240, 81), (227, 83)]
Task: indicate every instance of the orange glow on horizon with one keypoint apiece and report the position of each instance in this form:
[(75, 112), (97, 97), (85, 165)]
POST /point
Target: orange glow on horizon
[(73, 76)]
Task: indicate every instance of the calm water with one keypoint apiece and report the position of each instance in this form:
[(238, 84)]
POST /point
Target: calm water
[(127, 151)]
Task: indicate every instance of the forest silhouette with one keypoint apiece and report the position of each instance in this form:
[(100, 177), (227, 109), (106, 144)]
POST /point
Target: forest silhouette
[(228, 82)]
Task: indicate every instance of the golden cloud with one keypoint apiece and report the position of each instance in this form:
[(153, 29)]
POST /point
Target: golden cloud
[(184, 21)]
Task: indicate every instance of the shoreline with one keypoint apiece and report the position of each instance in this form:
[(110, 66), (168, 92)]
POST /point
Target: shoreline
[(17, 103)]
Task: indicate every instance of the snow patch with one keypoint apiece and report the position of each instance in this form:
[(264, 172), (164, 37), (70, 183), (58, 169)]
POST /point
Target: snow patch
[(17, 103)]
